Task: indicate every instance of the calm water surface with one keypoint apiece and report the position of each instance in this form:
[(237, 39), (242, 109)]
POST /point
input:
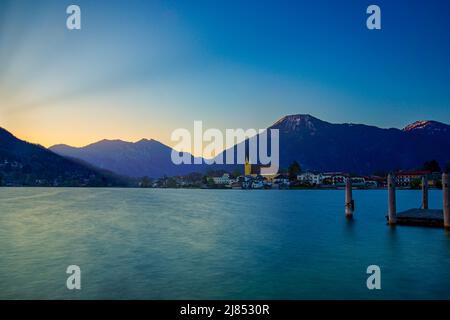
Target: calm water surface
[(215, 244)]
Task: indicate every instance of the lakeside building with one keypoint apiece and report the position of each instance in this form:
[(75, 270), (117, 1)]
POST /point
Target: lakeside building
[(245, 182), (252, 182), (281, 182), (258, 184), (371, 182), (380, 181), (405, 178), (358, 181), (336, 179), (310, 178), (223, 180)]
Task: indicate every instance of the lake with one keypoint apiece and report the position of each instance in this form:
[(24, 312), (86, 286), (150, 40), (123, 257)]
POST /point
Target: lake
[(215, 244)]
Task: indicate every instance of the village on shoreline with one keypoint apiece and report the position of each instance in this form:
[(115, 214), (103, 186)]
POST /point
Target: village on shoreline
[(295, 178)]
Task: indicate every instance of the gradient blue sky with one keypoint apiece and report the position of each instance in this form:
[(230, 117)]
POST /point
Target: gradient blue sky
[(144, 68)]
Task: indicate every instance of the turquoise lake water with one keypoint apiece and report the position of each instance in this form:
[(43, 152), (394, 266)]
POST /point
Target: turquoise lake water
[(215, 244)]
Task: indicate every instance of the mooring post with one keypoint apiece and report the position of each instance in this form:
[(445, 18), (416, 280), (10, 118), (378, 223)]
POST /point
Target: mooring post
[(446, 207), (391, 198), (349, 205), (425, 192)]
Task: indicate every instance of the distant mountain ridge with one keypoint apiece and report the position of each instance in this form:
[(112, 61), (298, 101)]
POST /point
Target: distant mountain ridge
[(428, 126), (316, 144), (26, 164), (143, 158), (323, 146)]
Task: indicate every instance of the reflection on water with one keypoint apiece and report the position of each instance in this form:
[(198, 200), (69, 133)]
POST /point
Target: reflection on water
[(215, 244)]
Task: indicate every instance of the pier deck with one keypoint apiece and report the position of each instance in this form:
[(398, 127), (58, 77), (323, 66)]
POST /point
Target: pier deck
[(421, 217)]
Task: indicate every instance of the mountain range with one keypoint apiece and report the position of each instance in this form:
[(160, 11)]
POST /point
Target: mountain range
[(143, 158), (26, 164), (317, 145), (357, 148)]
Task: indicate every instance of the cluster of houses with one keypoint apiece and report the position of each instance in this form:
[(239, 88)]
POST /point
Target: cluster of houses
[(306, 179), (252, 182), (411, 178), (338, 179), (405, 179)]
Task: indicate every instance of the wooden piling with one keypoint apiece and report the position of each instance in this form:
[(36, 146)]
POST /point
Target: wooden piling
[(392, 202), (349, 204), (446, 199), (424, 192)]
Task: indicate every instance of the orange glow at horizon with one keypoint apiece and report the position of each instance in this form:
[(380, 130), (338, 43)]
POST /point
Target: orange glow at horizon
[(82, 135)]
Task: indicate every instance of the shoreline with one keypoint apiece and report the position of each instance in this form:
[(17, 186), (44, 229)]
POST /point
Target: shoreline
[(227, 189)]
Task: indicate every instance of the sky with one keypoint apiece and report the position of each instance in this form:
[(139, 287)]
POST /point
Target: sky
[(143, 68)]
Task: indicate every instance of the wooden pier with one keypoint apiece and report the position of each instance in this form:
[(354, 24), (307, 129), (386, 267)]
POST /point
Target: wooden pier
[(421, 217), (424, 216)]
